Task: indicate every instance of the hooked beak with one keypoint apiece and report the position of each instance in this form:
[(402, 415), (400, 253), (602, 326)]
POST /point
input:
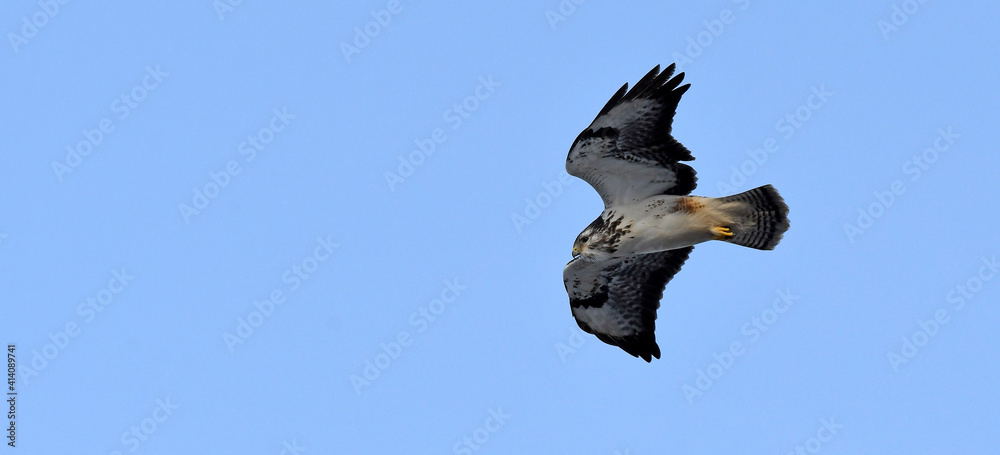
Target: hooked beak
[(576, 251)]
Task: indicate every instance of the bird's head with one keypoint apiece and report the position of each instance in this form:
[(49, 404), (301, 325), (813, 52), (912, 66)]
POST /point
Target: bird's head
[(582, 242), (593, 242)]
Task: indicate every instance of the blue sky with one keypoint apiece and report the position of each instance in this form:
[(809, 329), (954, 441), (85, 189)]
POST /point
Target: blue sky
[(341, 228)]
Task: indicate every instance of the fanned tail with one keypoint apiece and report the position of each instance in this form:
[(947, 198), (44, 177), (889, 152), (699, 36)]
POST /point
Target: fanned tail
[(760, 220)]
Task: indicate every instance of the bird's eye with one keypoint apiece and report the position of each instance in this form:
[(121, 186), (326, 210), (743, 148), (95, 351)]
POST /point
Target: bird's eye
[(584, 239)]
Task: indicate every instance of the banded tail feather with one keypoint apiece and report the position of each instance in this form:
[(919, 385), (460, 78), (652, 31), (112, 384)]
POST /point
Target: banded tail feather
[(761, 220)]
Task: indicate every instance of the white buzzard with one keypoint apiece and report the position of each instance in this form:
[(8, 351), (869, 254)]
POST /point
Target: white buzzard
[(623, 260)]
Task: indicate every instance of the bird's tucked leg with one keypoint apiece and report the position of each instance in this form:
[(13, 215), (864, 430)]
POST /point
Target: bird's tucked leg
[(721, 233)]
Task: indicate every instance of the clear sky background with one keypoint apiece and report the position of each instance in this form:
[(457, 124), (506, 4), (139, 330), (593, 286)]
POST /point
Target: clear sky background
[(168, 169)]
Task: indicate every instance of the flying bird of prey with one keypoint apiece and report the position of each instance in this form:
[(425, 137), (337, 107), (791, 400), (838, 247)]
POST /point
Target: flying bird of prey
[(624, 259)]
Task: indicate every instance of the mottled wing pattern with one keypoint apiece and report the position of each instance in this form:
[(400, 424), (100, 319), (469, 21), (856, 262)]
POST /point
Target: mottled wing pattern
[(627, 154), (616, 300)]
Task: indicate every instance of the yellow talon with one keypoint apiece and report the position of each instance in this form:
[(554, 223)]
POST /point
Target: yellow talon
[(721, 233)]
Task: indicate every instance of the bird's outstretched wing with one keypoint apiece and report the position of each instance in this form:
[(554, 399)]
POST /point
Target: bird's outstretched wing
[(616, 300), (627, 154)]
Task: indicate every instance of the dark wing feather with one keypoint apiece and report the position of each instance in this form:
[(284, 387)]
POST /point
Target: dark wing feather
[(627, 153), (616, 300)]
